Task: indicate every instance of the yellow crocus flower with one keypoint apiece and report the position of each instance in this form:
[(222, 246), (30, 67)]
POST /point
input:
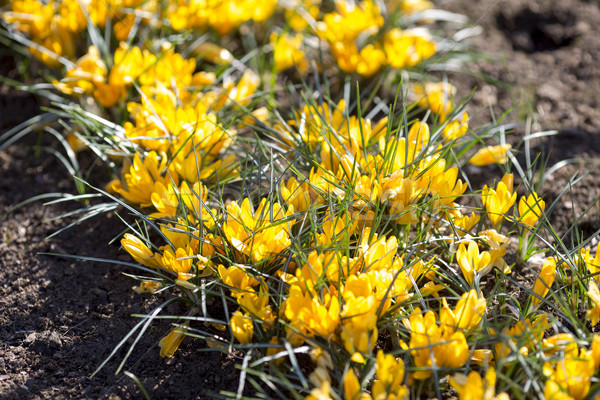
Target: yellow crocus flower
[(595, 349), (171, 69), (147, 287), (359, 329), (240, 93), (56, 41), (558, 342), (170, 343), (237, 279), (552, 391), (497, 248), (123, 26), (593, 293), (531, 209), (390, 375), (260, 234), (593, 264), (139, 180), (194, 198), (178, 238), (407, 48), (522, 337), (287, 52), (544, 282), (571, 375), (320, 393), (312, 273), (198, 164), (30, 16), (437, 96), (418, 137), (107, 95), (412, 6), (371, 59), (467, 314), (490, 155), (447, 188), (298, 194), (257, 305), (401, 194), (87, 71), (379, 253), (297, 10), (359, 339), (139, 251), (179, 261), (260, 10), (455, 128), (431, 344), (242, 327), (129, 64), (336, 226), (498, 202), (471, 261), (165, 200), (508, 180), (310, 316), (472, 387), (464, 223), (482, 357), (349, 21), (253, 302), (352, 389)]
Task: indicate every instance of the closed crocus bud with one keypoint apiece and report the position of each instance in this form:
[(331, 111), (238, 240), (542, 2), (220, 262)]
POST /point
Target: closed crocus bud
[(212, 53), (491, 155), (147, 287), (170, 343), (241, 327), (595, 348), (508, 180), (544, 281), (139, 251), (351, 385)]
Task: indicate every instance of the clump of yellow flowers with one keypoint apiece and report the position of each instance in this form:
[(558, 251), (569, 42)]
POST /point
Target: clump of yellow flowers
[(348, 234)]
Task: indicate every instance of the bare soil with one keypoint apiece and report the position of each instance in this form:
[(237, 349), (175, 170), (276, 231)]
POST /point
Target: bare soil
[(543, 57), (61, 317)]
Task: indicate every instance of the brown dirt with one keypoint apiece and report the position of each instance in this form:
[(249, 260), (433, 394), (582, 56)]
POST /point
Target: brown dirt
[(59, 318), (546, 55)]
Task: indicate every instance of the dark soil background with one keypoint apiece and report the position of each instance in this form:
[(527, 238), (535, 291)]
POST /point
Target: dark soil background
[(60, 318), (547, 55)]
